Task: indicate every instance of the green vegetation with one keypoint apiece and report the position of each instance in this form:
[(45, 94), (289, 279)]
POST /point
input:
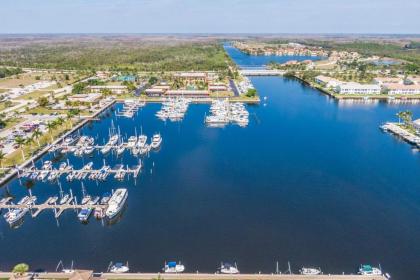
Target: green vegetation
[(407, 118), (6, 72), (117, 54), (252, 92), (21, 268)]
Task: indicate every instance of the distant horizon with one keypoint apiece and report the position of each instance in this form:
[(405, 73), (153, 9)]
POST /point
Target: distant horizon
[(204, 16)]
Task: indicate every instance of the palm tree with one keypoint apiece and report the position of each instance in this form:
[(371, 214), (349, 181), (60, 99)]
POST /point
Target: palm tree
[(36, 134), (29, 141), (51, 126), (2, 156), (20, 141)]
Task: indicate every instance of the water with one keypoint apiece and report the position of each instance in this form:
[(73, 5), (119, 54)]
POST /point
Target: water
[(310, 181), (258, 61)]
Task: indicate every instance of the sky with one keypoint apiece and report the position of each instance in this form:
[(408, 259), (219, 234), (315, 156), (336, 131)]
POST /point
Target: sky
[(210, 16)]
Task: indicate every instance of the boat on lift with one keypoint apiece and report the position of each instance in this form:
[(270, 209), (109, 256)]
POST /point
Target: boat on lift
[(366, 269), (227, 268), (119, 268), (310, 271), (132, 141), (173, 267), (156, 141)]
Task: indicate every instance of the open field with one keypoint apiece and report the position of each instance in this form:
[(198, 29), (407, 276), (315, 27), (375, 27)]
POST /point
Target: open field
[(26, 79), (34, 95)]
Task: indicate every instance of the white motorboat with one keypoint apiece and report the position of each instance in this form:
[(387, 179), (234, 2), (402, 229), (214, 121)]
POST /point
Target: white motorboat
[(132, 141), (86, 199), (142, 141), (310, 271), (105, 149), (88, 150), (227, 268), (43, 174), (173, 267), (366, 269), (120, 149), (84, 214), (62, 166), (64, 199), (119, 268), (47, 165), (116, 202), (113, 140), (156, 141)]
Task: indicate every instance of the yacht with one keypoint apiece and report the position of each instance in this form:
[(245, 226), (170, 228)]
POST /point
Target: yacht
[(43, 174), (131, 142), (105, 149), (53, 175), (113, 140), (173, 267), (105, 198), (62, 166), (120, 149), (119, 268), (47, 165), (88, 150), (156, 141), (144, 150), (366, 269), (64, 199), (116, 202), (120, 174), (86, 199), (142, 141), (227, 268), (310, 271), (70, 140)]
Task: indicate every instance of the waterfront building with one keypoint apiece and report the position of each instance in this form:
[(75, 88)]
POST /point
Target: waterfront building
[(217, 87), (116, 89), (387, 80), (327, 82), (154, 92), (90, 98), (187, 93), (192, 77), (393, 89), (356, 88), (414, 80)]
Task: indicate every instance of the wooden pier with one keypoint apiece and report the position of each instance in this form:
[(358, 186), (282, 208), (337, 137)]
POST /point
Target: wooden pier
[(57, 208)]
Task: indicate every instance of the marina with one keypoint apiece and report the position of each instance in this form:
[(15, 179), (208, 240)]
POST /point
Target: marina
[(283, 188), (106, 207)]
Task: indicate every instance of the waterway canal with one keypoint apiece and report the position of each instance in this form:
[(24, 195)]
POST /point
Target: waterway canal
[(310, 181)]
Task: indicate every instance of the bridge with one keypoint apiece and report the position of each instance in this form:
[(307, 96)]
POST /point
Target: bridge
[(261, 72)]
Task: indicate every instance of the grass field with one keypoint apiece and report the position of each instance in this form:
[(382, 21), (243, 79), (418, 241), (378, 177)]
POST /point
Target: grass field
[(26, 79), (34, 95)]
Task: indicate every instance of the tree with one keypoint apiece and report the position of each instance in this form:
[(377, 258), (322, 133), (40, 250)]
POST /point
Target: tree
[(78, 88), (251, 92), (2, 156), (66, 77), (50, 127), (153, 80), (20, 141), (21, 268), (43, 101), (36, 134)]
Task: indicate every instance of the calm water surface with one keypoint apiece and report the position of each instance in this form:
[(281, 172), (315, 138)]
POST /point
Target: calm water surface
[(310, 181)]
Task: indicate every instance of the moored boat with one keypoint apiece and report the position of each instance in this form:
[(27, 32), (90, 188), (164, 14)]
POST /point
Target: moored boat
[(116, 202), (173, 267)]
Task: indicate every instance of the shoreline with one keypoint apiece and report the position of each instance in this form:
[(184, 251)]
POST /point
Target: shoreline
[(44, 150), (195, 276)]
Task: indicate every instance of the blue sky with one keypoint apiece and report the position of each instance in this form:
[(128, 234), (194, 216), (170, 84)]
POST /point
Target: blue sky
[(209, 16)]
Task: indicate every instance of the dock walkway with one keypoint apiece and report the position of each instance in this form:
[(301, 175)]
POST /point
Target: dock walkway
[(404, 134), (200, 276)]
